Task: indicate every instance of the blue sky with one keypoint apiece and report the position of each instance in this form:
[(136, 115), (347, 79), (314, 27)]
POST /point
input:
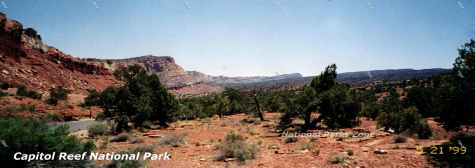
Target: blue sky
[(257, 37)]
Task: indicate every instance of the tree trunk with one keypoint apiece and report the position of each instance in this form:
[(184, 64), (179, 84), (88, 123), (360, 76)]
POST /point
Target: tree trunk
[(307, 119), (258, 109)]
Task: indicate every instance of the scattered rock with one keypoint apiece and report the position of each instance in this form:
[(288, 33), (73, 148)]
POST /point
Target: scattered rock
[(390, 130), (380, 151), (275, 147), (304, 151), (229, 159)]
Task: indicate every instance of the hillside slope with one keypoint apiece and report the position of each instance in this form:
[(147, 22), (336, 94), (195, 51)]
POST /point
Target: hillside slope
[(26, 60), (172, 75)]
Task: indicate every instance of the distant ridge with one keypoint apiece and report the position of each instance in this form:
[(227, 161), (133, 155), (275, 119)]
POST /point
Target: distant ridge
[(352, 78), (362, 77), (177, 78)]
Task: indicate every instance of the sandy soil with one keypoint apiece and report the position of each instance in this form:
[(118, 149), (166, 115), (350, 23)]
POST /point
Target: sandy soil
[(203, 135)]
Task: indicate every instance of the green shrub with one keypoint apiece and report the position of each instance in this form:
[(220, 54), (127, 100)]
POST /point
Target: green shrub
[(307, 146), (370, 110), (250, 121), (23, 92), (2, 94), (400, 139), (423, 130), (100, 116), (97, 130), (338, 109), (32, 136), (57, 94), (338, 159), (52, 101), (409, 120), (19, 108), (174, 140), (136, 140), (286, 118), (235, 146), (142, 98), (349, 152), (4, 85), (425, 99), (147, 125), (93, 99), (54, 117), (290, 139)]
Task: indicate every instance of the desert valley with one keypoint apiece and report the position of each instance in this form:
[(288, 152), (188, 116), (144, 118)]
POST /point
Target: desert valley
[(55, 102)]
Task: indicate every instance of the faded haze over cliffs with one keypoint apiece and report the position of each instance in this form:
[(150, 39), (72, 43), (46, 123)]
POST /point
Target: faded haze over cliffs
[(26, 60), (175, 76)]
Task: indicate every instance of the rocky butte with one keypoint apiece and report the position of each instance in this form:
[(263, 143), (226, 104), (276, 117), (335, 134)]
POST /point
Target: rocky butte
[(26, 60)]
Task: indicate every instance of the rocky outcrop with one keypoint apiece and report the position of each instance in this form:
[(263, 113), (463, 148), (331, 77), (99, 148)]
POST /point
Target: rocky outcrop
[(171, 74), (26, 60), (76, 64), (32, 40)]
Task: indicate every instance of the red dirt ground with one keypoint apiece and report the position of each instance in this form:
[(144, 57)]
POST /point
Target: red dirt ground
[(203, 135)]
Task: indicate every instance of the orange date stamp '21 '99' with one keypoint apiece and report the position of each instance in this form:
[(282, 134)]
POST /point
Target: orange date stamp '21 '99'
[(440, 150)]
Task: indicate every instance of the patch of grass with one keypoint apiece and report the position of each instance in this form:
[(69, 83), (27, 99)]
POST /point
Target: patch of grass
[(100, 116), (147, 125), (259, 142), (205, 120), (54, 117), (252, 131), (235, 146), (349, 152), (104, 142), (127, 163), (315, 151), (250, 121), (120, 138), (174, 140), (19, 108), (290, 139), (400, 139), (338, 159), (307, 146), (313, 139), (230, 123), (97, 129), (136, 140), (23, 92)]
